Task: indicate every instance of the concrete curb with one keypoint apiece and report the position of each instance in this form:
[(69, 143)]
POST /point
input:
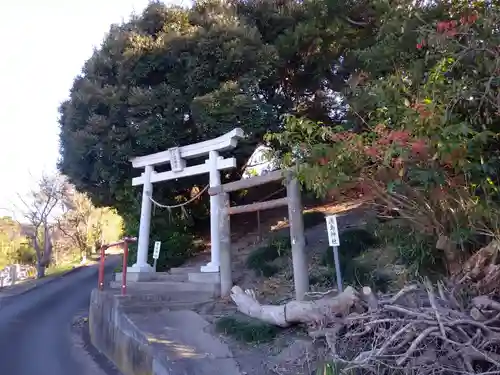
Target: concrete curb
[(168, 342), (117, 337)]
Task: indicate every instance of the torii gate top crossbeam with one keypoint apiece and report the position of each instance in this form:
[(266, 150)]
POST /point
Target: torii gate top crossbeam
[(222, 143)]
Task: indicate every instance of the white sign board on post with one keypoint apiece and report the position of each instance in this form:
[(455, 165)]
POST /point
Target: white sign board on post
[(176, 160), (156, 253), (333, 231), (334, 241), (156, 250)]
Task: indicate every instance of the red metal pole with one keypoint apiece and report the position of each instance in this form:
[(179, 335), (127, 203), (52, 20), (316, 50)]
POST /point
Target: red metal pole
[(100, 283), (124, 267)]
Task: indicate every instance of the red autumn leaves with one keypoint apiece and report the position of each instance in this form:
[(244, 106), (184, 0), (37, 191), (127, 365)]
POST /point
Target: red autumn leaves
[(386, 142), (449, 28), (422, 110), (469, 19), (395, 139)]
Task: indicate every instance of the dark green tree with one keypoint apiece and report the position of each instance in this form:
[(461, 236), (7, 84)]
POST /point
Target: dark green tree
[(176, 76)]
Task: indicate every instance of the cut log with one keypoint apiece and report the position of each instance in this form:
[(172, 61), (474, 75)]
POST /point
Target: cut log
[(295, 311), (481, 270)]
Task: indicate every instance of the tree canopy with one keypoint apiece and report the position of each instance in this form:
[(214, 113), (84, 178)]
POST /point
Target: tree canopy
[(175, 76), (422, 125), (335, 77)]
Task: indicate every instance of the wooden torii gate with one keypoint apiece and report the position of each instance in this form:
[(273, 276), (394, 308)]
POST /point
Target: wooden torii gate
[(296, 223), (176, 157)]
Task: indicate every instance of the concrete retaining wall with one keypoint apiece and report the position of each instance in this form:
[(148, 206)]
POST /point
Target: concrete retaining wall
[(116, 336)]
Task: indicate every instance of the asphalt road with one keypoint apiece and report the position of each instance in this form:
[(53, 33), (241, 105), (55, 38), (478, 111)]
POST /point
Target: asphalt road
[(35, 327)]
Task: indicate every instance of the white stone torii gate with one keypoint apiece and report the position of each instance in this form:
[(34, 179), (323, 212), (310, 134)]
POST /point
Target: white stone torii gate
[(177, 156)]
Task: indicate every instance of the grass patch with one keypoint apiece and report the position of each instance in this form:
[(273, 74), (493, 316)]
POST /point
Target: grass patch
[(260, 260), (59, 269), (356, 273), (358, 266), (415, 250), (386, 255), (353, 243), (245, 330)]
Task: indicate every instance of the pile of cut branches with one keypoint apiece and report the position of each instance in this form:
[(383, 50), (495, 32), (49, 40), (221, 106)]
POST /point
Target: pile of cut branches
[(420, 330)]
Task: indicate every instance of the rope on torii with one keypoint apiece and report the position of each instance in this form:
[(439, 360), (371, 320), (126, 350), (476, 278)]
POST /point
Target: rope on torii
[(180, 205)]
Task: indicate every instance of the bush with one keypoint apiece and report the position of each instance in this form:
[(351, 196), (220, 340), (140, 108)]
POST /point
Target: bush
[(414, 250), (260, 260), (355, 272), (245, 330), (176, 248), (353, 243), (354, 267), (281, 243)]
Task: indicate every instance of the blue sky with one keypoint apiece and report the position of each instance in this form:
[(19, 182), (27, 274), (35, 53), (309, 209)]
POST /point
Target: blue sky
[(44, 45)]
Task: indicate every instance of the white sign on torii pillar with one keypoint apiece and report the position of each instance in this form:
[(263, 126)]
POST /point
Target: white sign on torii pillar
[(177, 156)]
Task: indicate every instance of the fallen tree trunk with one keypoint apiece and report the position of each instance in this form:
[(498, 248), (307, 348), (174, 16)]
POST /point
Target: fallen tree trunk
[(420, 330), (295, 311)]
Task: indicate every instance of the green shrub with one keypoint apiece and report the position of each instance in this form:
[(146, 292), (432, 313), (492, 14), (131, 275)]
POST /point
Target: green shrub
[(281, 243), (355, 269), (354, 272), (415, 250), (268, 269), (245, 330), (176, 248), (353, 242), (260, 256), (260, 260)]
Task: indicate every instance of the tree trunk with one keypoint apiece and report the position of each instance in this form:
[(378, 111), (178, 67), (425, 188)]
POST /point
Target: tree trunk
[(295, 311), (47, 246), (40, 270), (42, 258)]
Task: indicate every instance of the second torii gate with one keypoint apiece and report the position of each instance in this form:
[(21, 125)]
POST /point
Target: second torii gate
[(176, 157)]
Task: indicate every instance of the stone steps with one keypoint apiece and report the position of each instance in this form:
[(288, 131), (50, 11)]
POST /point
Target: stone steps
[(142, 302), (195, 277), (160, 306), (177, 286), (135, 296), (183, 270), (165, 276)]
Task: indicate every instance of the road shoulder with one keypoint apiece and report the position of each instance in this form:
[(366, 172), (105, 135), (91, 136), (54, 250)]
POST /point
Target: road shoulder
[(29, 285)]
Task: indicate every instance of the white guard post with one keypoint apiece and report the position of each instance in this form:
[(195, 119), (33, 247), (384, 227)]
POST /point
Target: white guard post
[(177, 156)]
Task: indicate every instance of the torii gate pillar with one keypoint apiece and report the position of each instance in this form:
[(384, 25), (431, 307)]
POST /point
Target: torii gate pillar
[(214, 176), (176, 157), (141, 264)]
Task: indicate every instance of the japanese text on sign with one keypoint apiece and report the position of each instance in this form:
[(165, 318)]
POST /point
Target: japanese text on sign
[(156, 251), (332, 230), (175, 159)]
